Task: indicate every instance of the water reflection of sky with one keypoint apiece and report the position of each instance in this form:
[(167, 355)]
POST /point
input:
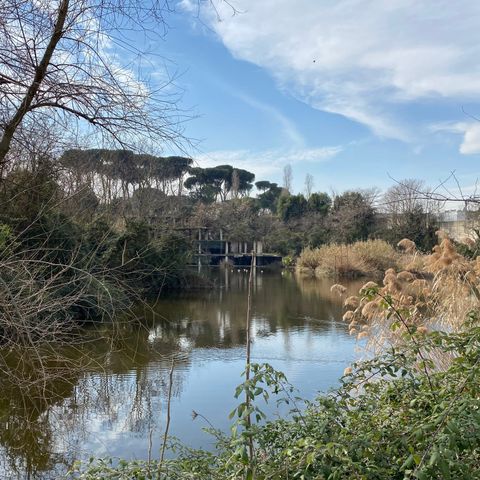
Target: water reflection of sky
[(296, 328), (312, 362)]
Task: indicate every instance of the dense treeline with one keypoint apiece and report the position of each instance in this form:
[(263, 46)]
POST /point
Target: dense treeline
[(169, 192), (172, 192), (111, 223)]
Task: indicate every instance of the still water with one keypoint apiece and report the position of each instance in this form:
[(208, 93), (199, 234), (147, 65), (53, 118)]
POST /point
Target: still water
[(114, 404)]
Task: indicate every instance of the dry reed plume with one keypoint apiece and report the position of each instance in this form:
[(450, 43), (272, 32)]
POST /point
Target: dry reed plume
[(433, 291)]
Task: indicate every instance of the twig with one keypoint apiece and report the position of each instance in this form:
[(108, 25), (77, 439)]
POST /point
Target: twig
[(167, 426), (248, 356)]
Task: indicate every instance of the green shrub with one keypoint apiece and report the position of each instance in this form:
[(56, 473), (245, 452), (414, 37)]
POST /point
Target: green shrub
[(6, 238), (62, 274), (146, 263)]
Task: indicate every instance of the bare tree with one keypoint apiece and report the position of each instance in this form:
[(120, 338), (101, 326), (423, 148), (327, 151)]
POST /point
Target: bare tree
[(309, 182), (409, 195), (403, 197), (287, 178), (72, 62)]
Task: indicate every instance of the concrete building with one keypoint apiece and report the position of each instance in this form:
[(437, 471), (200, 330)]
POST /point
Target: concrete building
[(459, 223)]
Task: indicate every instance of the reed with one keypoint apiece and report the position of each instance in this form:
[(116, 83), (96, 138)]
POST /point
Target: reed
[(368, 258), (434, 292)]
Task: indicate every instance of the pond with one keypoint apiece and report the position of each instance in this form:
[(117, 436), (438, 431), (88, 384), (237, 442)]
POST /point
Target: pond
[(115, 403)]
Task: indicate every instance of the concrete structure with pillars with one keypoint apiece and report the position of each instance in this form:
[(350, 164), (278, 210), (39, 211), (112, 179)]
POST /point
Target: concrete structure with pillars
[(214, 248)]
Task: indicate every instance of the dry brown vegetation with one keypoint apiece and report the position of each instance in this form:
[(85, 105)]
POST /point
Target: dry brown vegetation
[(429, 292), (369, 258)]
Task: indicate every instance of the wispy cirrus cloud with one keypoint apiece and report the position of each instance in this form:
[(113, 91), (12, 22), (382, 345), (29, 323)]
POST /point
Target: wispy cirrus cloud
[(267, 162), (288, 127), (367, 60)]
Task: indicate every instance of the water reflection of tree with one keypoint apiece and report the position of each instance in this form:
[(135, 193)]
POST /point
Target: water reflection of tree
[(25, 424), (45, 414), (216, 319)]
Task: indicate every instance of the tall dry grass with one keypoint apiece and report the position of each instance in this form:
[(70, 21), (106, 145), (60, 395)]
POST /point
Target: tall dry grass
[(431, 292), (370, 258)]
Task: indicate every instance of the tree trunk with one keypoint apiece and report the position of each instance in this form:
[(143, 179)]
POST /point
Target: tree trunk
[(40, 73)]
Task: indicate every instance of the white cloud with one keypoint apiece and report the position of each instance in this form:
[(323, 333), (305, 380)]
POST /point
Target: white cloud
[(288, 127), (471, 135), (266, 162), (471, 140), (364, 59)]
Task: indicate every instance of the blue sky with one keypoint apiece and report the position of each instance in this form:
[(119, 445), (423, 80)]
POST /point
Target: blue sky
[(351, 91)]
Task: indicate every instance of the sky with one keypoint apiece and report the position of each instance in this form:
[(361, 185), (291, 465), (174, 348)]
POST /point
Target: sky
[(358, 93)]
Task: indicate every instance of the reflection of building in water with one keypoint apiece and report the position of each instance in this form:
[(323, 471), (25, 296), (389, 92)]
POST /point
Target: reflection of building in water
[(459, 223), (224, 324)]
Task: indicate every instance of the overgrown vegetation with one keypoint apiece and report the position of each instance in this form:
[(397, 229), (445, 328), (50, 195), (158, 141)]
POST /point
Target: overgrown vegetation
[(87, 232), (410, 412), (127, 214), (59, 271), (435, 291), (111, 226)]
